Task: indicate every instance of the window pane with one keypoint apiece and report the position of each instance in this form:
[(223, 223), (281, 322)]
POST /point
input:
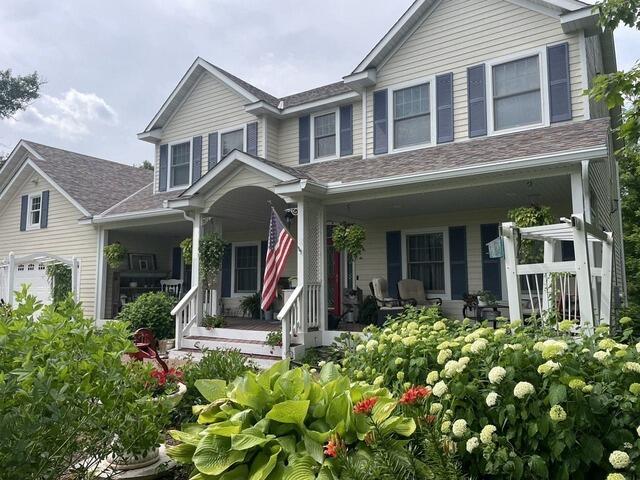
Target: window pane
[(425, 258), (516, 93), (246, 269), (232, 140), (325, 146), (412, 131), (325, 125), (180, 164), (411, 101)]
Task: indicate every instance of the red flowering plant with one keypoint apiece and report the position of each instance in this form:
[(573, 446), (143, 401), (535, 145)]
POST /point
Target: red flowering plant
[(164, 383)]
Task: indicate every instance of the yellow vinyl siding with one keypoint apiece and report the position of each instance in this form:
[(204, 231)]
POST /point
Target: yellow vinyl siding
[(64, 236), (462, 33), (210, 107)]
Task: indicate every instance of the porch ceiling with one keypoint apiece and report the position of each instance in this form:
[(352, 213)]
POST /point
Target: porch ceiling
[(549, 191)]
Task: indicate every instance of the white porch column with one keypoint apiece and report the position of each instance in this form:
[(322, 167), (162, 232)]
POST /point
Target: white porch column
[(75, 288), (607, 280), (583, 272), (11, 277), (101, 274), (511, 267), (195, 260), (302, 260), (550, 249)]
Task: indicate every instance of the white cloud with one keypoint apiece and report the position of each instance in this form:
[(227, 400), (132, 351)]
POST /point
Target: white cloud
[(71, 115)]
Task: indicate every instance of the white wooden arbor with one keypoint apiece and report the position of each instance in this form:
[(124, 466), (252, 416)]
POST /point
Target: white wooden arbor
[(10, 263), (570, 288)]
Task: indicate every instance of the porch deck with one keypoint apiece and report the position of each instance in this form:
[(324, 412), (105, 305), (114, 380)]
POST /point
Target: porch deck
[(244, 323)]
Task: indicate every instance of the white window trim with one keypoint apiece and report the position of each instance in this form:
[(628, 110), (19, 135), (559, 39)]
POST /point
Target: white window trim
[(170, 145), (446, 295), (544, 90), (30, 225), (234, 293), (431, 80), (242, 127), (312, 135)]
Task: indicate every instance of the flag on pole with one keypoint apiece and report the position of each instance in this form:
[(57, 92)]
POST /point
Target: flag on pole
[(278, 249)]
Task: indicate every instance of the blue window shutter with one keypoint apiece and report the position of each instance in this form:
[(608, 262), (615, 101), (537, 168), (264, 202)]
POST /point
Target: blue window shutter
[(304, 139), (491, 267), (394, 261), (559, 83), (263, 260), (226, 271), (44, 210), (477, 101), (380, 122), (176, 263), (164, 165), (458, 262), (252, 138), (444, 107), (346, 130), (196, 163), (212, 153), (24, 207)]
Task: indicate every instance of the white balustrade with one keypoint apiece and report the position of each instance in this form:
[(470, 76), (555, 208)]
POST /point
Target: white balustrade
[(186, 314)]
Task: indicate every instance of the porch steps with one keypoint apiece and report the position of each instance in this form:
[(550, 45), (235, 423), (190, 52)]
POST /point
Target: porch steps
[(262, 361)]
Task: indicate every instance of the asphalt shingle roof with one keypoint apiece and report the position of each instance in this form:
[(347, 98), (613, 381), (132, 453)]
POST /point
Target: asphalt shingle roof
[(314, 94), (143, 200), (94, 183)]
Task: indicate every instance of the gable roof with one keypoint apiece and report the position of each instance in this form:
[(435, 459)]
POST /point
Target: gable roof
[(93, 183)]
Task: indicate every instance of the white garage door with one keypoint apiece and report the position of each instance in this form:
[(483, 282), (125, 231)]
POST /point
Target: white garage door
[(34, 273)]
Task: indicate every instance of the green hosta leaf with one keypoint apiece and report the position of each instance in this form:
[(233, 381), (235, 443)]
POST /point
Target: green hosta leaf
[(557, 394), (329, 373), (320, 437), (288, 443), (383, 409), (214, 455), (339, 409), (313, 448), (212, 390), (210, 413), (247, 392), (185, 437), (241, 472), (291, 411), (301, 468), (267, 378), (224, 429), (192, 428), (249, 438), (262, 465), (182, 453), (291, 384), (401, 426)]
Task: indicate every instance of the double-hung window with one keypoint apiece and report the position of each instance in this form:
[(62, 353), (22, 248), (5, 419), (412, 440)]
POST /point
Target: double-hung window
[(180, 165), (230, 141), (426, 260), (517, 97), (246, 269), (324, 135), (35, 211), (411, 116)]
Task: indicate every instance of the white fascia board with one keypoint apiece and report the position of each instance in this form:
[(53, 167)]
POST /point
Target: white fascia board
[(585, 19), (118, 217), (184, 203), (362, 79), (320, 104), (300, 187), (152, 136), (39, 171), (487, 168), (260, 108)]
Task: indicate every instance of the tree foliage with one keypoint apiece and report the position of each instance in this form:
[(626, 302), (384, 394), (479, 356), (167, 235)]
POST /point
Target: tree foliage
[(16, 92)]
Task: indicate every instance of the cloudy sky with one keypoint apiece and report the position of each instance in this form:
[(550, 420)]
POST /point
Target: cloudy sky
[(109, 65)]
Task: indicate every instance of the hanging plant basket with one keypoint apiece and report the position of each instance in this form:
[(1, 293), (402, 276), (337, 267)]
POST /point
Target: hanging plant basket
[(349, 238), (115, 255)]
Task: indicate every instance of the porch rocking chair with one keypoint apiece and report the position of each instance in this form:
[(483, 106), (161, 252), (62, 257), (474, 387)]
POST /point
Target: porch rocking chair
[(412, 292), (386, 304)]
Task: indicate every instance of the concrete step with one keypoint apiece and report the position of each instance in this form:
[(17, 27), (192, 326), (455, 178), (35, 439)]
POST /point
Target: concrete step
[(248, 346), (262, 361), (222, 332)]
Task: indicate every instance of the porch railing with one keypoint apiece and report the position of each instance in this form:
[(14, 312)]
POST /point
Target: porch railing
[(300, 313), (210, 303), (186, 314)]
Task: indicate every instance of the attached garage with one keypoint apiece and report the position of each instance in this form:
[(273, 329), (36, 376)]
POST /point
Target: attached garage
[(34, 274)]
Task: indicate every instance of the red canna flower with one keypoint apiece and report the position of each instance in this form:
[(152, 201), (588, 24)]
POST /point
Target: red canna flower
[(414, 394), (333, 447), (365, 406)]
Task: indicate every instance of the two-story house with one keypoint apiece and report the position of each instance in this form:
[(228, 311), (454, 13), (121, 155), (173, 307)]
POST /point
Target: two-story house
[(461, 112)]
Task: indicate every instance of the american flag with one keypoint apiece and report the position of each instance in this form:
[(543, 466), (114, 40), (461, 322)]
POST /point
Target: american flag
[(278, 249)]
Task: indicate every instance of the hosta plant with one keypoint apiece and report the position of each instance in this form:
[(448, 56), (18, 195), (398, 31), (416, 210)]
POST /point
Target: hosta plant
[(283, 424), (529, 401)]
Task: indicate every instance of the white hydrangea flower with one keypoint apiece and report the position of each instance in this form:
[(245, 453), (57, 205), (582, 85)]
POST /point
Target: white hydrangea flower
[(557, 413), (638, 347), (601, 355), (619, 459), (486, 435), (322, 363), (372, 345), (378, 380), (522, 389), (443, 356), (410, 341), (638, 430), (492, 399), (435, 408), (548, 367), (360, 348), (472, 444), (552, 348), (616, 476), (432, 377), (445, 427), (439, 389), (479, 345), (496, 375), (464, 360), (459, 428), (439, 325), (631, 367)]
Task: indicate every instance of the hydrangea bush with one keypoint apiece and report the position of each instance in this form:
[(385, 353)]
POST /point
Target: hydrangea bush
[(520, 401)]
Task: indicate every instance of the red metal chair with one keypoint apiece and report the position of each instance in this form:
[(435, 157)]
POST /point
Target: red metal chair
[(147, 345)]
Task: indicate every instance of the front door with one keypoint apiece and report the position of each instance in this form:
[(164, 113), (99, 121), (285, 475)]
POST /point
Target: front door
[(334, 275)]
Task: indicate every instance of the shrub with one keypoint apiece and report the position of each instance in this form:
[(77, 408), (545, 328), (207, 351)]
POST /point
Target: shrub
[(284, 423), (535, 399), (66, 394), (250, 306), (151, 310)]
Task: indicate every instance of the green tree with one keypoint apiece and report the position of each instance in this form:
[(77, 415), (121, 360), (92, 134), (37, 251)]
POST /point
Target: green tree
[(146, 165), (621, 92), (16, 92)]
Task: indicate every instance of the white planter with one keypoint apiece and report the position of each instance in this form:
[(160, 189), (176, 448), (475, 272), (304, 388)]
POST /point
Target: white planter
[(130, 461), (482, 303), (165, 345)]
